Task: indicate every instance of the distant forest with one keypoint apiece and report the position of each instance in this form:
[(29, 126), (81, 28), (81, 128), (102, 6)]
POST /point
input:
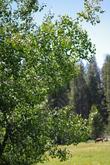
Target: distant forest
[(88, 92)]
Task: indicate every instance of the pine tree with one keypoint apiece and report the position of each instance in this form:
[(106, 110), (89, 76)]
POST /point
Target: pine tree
[(79, 93), (59, 98), (106, 83), (96, 97), (94, 83)]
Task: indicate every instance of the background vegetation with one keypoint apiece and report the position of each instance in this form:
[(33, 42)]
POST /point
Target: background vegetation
[(47, 97)]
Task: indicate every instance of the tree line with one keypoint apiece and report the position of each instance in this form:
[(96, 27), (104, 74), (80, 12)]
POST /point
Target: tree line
[(88, 92)]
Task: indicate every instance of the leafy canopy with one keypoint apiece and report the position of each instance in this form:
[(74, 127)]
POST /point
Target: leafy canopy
[(33, 62)]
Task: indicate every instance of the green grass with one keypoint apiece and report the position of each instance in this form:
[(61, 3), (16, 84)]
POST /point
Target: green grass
[(86, 154)]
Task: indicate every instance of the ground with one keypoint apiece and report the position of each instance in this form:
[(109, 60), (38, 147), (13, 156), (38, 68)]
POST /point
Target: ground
[(90, 153)]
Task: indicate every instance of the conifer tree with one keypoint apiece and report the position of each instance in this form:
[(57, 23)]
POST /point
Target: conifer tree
[(94, 83), (79, 93), (96, 97), (106, 83)]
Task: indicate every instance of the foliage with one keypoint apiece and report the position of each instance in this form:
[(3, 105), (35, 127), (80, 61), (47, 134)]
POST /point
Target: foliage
[(59, 98), (96, 123), (33, 62), (68, 127), (28, 135), (79, 93), (94, 83), (96, 97), (62, 154), (92, 9), (106, 85)]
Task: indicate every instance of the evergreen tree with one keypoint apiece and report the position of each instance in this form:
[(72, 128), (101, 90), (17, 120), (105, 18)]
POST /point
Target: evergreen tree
[(94, 83), (106, 83), (59, 98), (96, 123), (79, 93), (96, 97)]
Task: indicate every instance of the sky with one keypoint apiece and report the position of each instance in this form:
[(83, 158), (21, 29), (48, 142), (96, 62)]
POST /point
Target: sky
[(99, 34)]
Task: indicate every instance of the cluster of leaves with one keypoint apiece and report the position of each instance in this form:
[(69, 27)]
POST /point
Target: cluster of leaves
[(68, 127), (28, 135), (33, 132), (61, 153), (92, 9)]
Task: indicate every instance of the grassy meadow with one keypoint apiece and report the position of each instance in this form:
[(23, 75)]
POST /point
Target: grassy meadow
[(86, 154)]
